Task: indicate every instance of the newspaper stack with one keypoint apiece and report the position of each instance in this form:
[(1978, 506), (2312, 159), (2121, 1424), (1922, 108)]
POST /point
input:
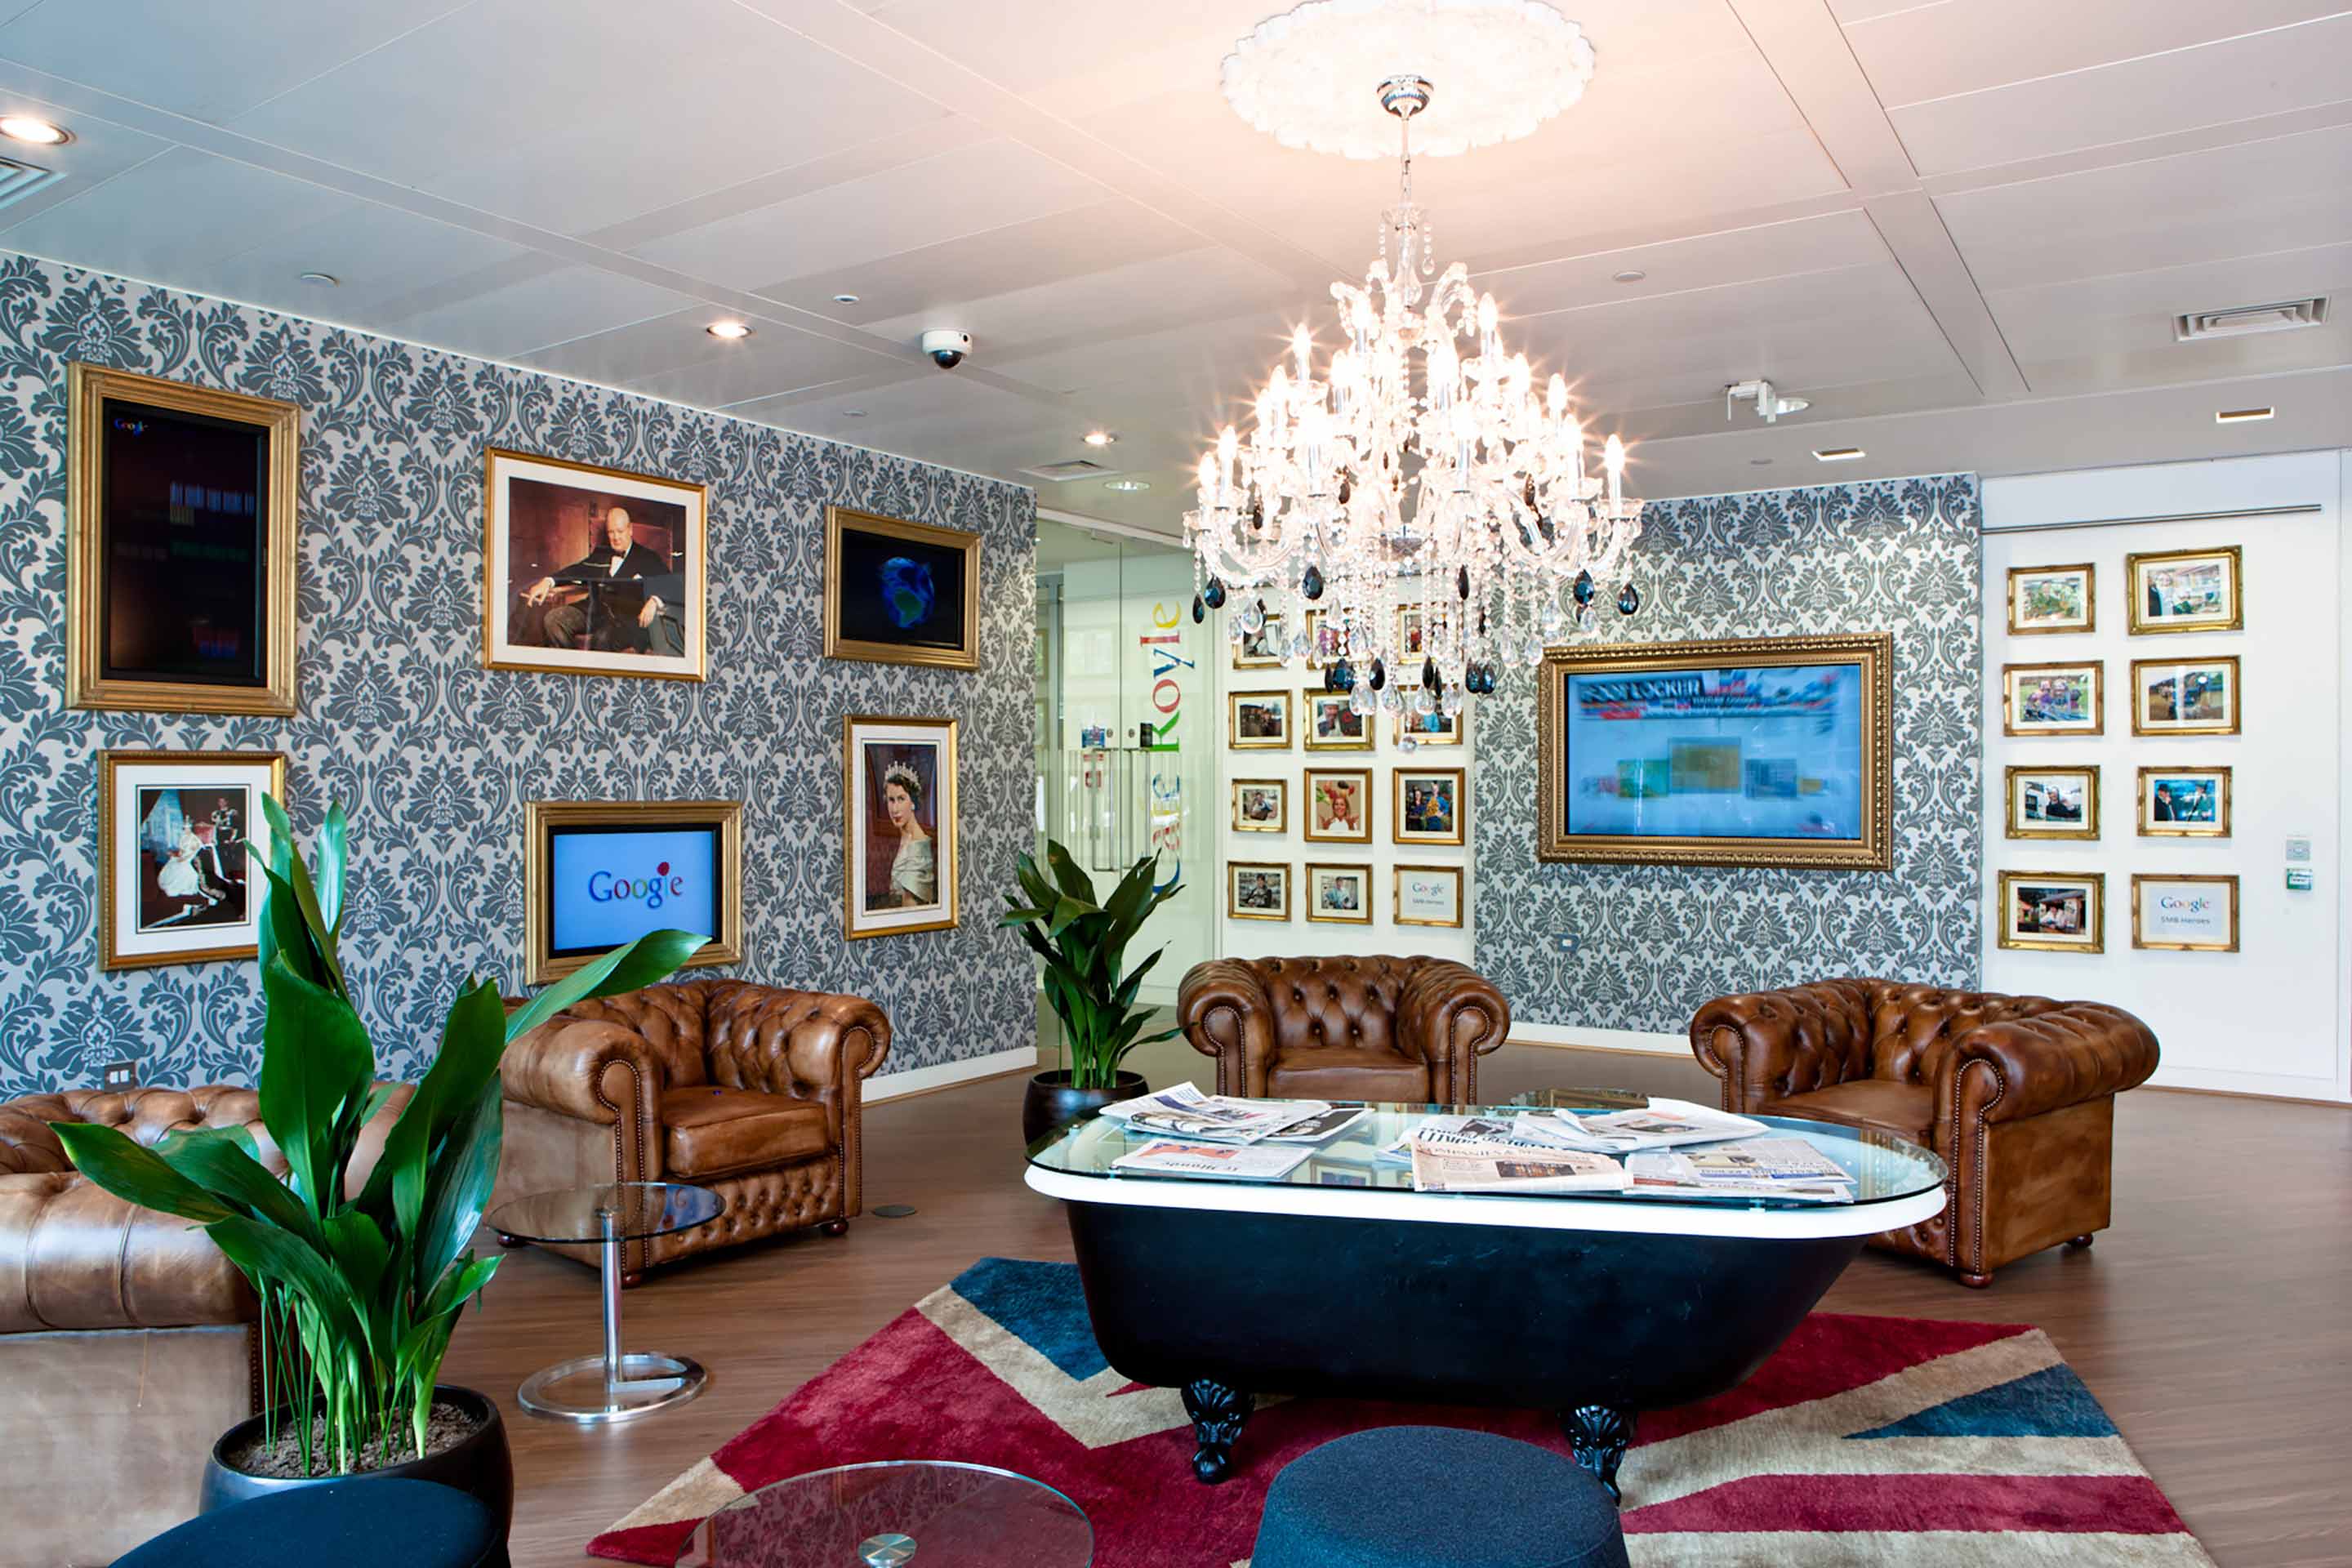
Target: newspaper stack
[(1666, 1124), (1512, 1167), (1786, 1168), (1184, 1112), (1234, 1161)]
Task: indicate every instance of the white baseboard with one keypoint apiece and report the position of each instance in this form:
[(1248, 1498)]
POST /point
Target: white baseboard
[(1642, 1042), (2262, 1086), (921, 1080)]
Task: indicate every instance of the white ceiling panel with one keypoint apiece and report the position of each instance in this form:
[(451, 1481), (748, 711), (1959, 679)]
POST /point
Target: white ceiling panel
[(636, 354), (2122, 312), (1704, 261), (98, 152), (552, 306), (572, 114), (208, 60), (929, 203), (759, 367), (174, 216), (378, 254), (2243, 78)]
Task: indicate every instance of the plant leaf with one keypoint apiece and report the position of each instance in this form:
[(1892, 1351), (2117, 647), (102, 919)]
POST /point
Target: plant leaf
[(458, 1187), (1075, 882), (315, 1060), (650, 958), (334, 860), (220, 1160), (136, 1175)]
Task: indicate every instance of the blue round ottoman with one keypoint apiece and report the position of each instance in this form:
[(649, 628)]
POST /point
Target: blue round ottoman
[(370, 1522), (1436, 1497)]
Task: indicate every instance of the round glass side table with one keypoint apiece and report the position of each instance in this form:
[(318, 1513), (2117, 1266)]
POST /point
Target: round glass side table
[(592, 1389), (896, 1513)]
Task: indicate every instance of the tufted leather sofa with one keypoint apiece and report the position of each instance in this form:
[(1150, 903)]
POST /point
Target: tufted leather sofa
[(1406, 1029), (747, 1090), (127, 1341), (2017, 1094)]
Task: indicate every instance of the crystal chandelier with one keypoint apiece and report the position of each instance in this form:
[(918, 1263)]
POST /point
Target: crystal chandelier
[(1417, 511)]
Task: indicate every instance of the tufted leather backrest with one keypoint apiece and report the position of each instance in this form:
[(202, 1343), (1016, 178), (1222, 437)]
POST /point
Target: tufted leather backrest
[(1908, 1024), (1344, 1003), (28, 1145), (672, 1019)]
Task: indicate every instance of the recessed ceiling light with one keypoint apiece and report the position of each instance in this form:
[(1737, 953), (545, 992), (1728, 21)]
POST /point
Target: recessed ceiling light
[(1630, 275), (845, 299), (323, 279), (2242, 415), (1099, 437), (1837, 454), (27, 128), (1126, 485), (729, 330)]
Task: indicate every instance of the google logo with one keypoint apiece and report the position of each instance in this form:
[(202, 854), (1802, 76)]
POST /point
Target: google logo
[(605, 888)]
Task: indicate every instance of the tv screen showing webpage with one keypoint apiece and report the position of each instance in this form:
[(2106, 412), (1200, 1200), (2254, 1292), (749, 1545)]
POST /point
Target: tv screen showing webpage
[(606, 885), (1729, 751)]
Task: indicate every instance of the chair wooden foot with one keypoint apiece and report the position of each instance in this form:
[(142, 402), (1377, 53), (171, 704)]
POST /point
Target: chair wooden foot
[(1974, 1281), (631, 1281), (2079, 1241), (512, 1242), (833, 1227)]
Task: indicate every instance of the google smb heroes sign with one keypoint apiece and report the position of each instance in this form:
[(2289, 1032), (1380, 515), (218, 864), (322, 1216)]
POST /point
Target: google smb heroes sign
[(607, 888)]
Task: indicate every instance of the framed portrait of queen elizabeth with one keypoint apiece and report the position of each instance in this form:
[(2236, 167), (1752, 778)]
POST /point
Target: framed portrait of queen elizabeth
[(899, 825)]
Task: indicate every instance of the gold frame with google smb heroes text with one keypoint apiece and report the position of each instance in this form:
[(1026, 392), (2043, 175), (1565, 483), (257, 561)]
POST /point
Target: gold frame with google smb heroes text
[(542, 819)]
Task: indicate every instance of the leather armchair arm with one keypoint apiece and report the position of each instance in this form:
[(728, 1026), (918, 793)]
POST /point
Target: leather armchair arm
[(2018, 1068), (585, 1069), (1767, 1044), (813, 1046), (1225, 1013), (1451, 1016)]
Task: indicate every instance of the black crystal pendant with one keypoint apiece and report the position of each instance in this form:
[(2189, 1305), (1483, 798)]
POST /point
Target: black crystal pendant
[(1310, 583), (1629, 601), (1343, 676), (1462, 582), (1379, 674), (1583, 588), (1214, 596), (1346, 490), (1200, 610), (1429, 674)]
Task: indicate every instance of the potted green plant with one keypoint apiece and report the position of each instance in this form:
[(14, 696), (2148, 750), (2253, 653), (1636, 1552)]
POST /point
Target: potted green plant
[(359, 1291), (1084, 944)]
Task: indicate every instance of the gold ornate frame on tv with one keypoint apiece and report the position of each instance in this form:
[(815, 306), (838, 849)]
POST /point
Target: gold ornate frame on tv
[(542, 817), (108, 956), (965, 655), (1872, 652), (88, 388)]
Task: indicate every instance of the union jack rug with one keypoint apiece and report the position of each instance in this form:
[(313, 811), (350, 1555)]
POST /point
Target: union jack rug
[(1864, 1441)]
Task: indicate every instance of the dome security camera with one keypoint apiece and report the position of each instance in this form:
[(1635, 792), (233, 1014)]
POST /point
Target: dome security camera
[(947, 348)]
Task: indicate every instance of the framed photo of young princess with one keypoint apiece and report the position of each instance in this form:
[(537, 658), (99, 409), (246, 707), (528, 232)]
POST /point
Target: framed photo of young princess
[(182, 843), (899, 825)]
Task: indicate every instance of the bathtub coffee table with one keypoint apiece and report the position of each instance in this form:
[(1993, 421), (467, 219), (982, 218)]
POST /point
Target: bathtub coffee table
[(1339, 1279)]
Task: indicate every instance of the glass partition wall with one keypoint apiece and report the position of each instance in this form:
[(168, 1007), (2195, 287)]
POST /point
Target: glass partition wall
[(1125, 730)]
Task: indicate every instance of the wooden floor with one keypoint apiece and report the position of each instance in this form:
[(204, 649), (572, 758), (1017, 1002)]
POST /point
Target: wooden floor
[(2214, 1320)]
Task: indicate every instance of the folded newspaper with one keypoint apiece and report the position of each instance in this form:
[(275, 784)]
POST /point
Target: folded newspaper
[(1784, 1168), (1666, 1124), (1245, 1162), (1185, 1112), (1490, 1167)]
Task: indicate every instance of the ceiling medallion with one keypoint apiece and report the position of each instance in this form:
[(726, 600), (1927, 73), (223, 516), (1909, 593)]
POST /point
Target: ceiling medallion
[(1437, 510)]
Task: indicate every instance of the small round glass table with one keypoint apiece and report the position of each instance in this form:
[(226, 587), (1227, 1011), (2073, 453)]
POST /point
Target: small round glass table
[(592, 1389), (896, 1513)]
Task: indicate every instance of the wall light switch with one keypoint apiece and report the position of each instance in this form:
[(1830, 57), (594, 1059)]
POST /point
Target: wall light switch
[(123, 1075), (2298, 846), (1569, 942)]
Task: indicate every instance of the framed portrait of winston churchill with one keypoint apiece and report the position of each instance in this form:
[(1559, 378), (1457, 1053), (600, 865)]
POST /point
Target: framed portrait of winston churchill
[(592, 571), (899, 825)]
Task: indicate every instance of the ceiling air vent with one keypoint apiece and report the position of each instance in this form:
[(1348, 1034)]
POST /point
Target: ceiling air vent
[(2236, 323), (1068, 469), (19, 181)]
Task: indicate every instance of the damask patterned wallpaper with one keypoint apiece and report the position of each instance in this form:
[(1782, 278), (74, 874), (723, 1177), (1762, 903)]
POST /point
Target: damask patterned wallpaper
[(434, 755), (1643, 947)]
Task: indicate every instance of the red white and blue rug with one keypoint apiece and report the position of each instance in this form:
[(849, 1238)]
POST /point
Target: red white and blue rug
[(1885, 1442)]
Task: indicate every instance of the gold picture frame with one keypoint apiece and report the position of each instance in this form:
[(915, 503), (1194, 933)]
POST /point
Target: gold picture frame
[(543, 821), (1400, 828), (944, 545), (2230, 616), (1264, 701), (130, 785), (1360, 914), (1269, 642), (1315, 704), (675, 647), (1406, 903), (275, 512), (1318, 787), (1415, 727), (1871, 655), (2052, 933), (1235, 910), (900, 745), (2147, 889), (2023, 621), (2232, 687), (1280, 790), (2017, 820), (2024, 715), (2147, 798)]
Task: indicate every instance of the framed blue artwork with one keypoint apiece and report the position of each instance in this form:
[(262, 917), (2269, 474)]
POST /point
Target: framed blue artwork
[(900, 592), (1767, 751)]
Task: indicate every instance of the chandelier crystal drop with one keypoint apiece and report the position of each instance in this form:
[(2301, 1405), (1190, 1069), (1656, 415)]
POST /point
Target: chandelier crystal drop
[(1415, 501)]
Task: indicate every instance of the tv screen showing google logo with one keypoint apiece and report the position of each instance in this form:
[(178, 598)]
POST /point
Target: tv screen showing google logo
[(606, 885)]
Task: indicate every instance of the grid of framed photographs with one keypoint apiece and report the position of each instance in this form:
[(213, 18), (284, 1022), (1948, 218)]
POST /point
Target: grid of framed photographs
[(2169, 592)]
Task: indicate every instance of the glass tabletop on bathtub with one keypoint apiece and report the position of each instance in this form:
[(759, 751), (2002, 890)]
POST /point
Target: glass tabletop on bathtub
[(896, 1513), (1885, 1169)]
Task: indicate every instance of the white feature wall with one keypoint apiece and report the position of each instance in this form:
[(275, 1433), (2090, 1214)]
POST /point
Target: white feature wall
[(2271, 1017)]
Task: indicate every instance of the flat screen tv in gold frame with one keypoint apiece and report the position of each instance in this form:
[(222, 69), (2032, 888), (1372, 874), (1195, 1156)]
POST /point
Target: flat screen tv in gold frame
[(599, 873)]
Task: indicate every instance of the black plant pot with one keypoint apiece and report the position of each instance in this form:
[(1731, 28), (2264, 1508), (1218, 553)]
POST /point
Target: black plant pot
[(481, 1465), (1051, 1103)]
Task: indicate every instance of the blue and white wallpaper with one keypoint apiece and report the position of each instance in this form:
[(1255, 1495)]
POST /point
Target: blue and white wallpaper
[(434, 755), (1643, 947)]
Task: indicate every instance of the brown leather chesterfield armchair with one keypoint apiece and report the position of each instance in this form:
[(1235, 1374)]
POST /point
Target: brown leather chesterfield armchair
[(1344, 1028), (127, 1339), (2017, 1094), (747, 1089)]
